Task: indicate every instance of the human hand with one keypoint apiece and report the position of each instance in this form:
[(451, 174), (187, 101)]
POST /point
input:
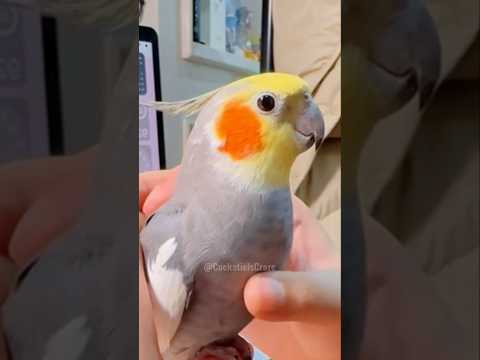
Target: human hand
[(310, 312), (155, 188), (39, 200), (301, 304)]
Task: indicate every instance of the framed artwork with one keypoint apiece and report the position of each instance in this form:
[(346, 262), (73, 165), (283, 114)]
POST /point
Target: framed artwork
[(231, 34)]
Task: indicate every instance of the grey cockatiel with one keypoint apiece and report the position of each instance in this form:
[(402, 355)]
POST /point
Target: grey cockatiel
[(232, 205)]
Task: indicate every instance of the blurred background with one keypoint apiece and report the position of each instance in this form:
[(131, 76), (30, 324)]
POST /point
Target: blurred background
[(203, 44)]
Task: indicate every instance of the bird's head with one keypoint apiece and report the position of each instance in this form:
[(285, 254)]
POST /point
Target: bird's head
[(258, 125)]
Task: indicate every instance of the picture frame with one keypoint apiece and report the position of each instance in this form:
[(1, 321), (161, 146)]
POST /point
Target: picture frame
[(214, 53)]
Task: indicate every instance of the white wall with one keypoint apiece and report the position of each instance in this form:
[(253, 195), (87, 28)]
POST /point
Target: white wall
[(180, 79)]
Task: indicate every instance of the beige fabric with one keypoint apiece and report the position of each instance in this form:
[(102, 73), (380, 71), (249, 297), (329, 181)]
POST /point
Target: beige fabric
[(314, 54), (327, 97), (378, 171), (462, 296), (375, 173), (454, 111), (468, 68), (312, 51), (321, 188), (443, 246), (457, 26)]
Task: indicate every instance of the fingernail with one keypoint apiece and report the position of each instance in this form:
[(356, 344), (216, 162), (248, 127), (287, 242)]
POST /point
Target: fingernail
[(275, 291)]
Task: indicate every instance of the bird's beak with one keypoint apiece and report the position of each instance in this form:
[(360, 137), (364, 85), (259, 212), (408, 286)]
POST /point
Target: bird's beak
[(310, 128)]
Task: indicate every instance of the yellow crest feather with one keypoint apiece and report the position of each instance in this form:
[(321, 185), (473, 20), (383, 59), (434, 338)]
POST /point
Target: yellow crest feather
[(284, 84), (187, 107)]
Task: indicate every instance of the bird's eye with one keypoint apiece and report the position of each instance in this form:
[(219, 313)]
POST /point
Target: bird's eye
[(266, 102)]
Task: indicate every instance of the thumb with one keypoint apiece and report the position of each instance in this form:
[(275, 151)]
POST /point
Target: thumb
[(294, 296), (45, 220)]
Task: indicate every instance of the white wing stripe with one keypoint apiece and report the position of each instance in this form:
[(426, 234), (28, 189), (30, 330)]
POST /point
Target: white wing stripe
[(170, 293), (69, 342)]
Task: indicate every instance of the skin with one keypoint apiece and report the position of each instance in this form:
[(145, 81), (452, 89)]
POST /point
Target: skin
[(390, 273), (33, 205), (34, 210), (302, 303), (297, 313)]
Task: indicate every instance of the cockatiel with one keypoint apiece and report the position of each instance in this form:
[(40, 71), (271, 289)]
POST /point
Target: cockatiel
[(231, 207)]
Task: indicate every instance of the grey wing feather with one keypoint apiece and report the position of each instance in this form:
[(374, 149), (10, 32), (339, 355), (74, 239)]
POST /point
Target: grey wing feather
[(169, 289)]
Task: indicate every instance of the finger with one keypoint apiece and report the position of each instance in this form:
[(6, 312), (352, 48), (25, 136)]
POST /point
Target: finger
[(312, 247), (147, 181), (7, 277), (8, 222), (157, 197), (41, 224), (13, 205), (294, 296)]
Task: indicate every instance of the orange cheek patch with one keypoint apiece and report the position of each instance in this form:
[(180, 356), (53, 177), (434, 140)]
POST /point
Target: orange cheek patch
[(240, 130)]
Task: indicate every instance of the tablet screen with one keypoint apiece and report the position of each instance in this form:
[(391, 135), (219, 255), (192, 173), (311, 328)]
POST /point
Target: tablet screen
[(23, 94), (150, 131)]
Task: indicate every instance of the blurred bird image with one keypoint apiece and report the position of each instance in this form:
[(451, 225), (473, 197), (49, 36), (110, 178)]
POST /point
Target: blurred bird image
[(231, 214)]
